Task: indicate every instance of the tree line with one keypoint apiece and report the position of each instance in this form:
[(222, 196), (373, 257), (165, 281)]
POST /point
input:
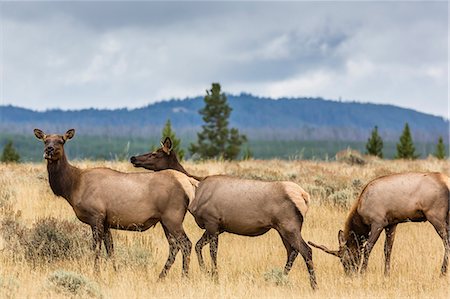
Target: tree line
[(217, 141), (405, 146)]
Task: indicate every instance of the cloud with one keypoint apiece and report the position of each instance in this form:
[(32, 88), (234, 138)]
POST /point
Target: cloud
[(116, 54)]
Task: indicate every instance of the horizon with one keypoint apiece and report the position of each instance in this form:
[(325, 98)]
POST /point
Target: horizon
[(77, 55), (344, 101)]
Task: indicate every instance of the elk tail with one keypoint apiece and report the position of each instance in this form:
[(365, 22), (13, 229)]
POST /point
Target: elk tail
[(299, 197), (194, 181)]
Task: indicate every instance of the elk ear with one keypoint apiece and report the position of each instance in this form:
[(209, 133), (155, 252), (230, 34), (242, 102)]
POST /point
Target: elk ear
[(167, 145), (341, 238), (321, 247), (69, 134), (39, 134)]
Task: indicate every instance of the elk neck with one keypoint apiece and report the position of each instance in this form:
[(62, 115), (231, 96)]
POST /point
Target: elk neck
[(356, 225), (63, 178), (175, 165)]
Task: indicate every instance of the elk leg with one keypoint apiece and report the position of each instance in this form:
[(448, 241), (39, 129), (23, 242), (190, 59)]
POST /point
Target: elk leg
[(390, 234), (443, 233), (186, 248), (373, 237), (94, 238), (98, 232), (296, 241), (291, 256), (306, 253), (109, 245), (173, 250), (213, 247), (205, 239)]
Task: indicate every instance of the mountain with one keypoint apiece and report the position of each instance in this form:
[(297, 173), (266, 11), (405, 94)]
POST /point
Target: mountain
[(259, 118)]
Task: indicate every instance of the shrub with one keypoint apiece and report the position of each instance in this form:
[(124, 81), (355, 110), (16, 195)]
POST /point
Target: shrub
[(72, 283), (134, 256), (50, 240), (342, 198), (351, 157), (13, 233), (277, 277)]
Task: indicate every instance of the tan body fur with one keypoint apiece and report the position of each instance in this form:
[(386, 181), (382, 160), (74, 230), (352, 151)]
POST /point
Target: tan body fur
[(246, 207), (135, 201)]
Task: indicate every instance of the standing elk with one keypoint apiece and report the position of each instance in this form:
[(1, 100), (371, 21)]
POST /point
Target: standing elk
[(243, 207), (104, 198), (386, 202)]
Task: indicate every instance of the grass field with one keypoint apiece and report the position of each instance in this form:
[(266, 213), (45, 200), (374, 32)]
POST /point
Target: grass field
[(248, 267)]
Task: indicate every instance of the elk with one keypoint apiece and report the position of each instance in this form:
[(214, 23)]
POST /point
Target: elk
[(105, 198), (385, 202), (243, 207)]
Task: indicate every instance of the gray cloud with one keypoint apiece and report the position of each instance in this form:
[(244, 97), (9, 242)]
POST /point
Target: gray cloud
[(117, 54)]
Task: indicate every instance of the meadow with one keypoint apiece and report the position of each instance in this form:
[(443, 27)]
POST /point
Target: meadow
[(248, 267)]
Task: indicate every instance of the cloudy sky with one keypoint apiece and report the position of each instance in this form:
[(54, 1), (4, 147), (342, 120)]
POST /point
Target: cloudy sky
[(115, 54)]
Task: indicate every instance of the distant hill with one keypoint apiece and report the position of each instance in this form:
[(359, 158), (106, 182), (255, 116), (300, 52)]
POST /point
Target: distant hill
[(259, 118)]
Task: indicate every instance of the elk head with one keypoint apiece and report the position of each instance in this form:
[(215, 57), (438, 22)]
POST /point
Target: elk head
[(349, 252), (161, 159), (53, 144)]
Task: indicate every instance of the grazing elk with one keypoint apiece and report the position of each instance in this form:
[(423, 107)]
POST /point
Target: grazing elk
[(386, 202), (104, 198), (243, 207)]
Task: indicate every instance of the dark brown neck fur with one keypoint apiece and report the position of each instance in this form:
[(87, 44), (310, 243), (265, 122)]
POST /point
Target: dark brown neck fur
[(63, 178), (356, 225), (175, 164)]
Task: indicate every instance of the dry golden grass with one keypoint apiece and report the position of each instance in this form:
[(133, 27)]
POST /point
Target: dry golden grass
[(243, 262)]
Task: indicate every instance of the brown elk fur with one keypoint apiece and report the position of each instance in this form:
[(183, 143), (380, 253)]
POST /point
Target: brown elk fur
[(104, 198), (386, 202), (243, 207)]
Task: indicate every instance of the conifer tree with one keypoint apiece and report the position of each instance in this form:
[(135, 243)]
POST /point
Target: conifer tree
[(247, 154), (440, 149), (168, 132), (9, 153), (216, 140), (374, 144), (405, 147), (234, 144)]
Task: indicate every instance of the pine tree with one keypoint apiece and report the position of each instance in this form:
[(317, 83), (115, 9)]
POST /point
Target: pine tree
[(234, 144), (9, 153), (247, 154), (374, 144), (216, 140), (168, 132), (405, 147), (440, 149)]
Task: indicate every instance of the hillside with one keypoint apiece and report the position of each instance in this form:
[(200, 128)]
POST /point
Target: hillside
[(260, 118)]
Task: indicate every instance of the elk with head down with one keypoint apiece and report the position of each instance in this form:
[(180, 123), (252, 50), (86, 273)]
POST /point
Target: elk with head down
[(243, 207), (105, 198), (386, 202)]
